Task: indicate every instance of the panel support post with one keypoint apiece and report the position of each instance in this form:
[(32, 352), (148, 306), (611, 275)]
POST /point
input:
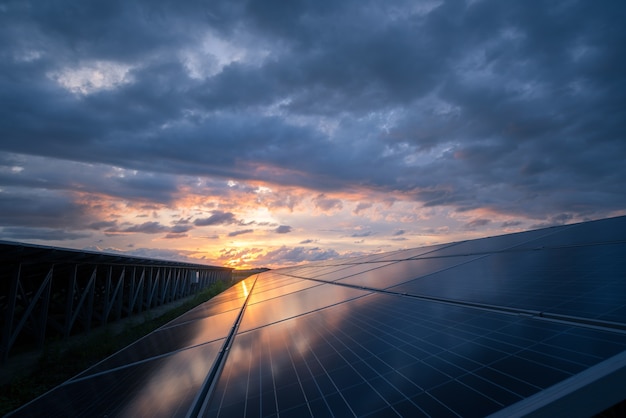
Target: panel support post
[(9, 315)]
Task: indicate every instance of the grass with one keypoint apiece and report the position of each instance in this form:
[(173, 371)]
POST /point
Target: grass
[(60, 362)]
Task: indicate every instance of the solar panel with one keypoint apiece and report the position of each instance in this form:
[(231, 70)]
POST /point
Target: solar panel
[(585, 281), (381, 350), (516, 325)]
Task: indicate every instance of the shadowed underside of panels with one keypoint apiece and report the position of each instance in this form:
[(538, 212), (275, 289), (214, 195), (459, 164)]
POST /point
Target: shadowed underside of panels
[(531, 323)]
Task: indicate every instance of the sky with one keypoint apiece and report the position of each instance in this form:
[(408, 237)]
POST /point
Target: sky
[(272, 133)]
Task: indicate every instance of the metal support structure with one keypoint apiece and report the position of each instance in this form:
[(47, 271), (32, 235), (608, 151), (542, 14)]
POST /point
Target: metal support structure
[(10, 313), (55, 293), (28, 298), (111, 297)]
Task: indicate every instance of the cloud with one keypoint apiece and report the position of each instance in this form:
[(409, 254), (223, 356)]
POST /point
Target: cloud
[(295, 255), (218, 217), (361, 207), (240, 232), (326, 204), (102, 225), (476, 223), (556, 220), (286, 112), (510, 224), (211, 237), (154, 253), (146, 228), (361, 234), (175, 235), (41, 209), (43, 234), (399, 232), (181, 228), (149, 227), (283, 229)]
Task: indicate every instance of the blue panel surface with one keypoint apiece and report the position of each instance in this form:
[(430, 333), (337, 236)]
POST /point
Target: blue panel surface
[(295, 304), (392, 274), (461, 329), (169, 339), (399, 355), (586, 281), (163, 387), (293, 285)]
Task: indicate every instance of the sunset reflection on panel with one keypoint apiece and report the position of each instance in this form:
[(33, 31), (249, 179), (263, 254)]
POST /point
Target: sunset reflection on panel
[(295, 304), (171, 387), (200, 335), (279, 356)]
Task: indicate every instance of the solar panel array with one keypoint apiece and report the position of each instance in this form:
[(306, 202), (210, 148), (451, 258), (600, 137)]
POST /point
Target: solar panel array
[(525, 323)]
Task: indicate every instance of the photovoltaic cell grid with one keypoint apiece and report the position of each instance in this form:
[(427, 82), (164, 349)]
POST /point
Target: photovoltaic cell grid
[(386, 354), (462, 329)]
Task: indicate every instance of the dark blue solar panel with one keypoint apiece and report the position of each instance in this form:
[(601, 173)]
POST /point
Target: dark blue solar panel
[(293, 285), (410, 253), (170, 339), (387, 275), (162, 387), (390, 354), (585, 281), (232, 298), (461, 329), (310, 272), (294, 304), (604, 230), (491, 244), (348, 271)]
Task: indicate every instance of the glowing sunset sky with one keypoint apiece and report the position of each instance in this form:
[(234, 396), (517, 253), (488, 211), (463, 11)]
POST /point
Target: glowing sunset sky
[(268, 133)]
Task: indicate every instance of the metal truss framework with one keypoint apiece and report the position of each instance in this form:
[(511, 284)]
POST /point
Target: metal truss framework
[(51, 292)]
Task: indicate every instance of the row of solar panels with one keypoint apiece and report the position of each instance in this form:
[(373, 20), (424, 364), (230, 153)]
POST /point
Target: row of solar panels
[(14, 252), (527, 323)]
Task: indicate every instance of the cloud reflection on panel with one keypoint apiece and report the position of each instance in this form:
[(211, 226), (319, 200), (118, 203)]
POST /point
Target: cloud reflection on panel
[(170, 390), (295, 304), (279, 355), (185, 371)]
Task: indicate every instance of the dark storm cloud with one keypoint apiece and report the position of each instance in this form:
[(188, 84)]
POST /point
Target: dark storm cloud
[(69, 176), (512, 106), (48, 209)]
